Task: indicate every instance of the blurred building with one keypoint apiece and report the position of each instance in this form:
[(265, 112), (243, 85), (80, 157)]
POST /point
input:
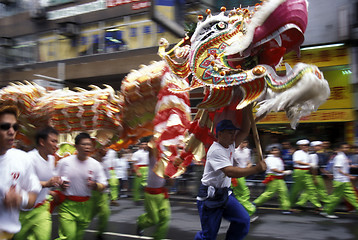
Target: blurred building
[(83, 42)]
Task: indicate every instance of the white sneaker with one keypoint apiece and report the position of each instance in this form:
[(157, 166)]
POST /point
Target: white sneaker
[(324, 214), (253, 218)]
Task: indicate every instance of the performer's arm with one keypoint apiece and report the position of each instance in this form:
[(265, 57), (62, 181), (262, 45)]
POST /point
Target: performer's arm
[(245, 125), (24, 199), (236, 172), (345, 174)]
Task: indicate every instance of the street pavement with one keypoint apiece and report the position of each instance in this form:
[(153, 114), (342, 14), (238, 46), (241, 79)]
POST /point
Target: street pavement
[(271, 225)]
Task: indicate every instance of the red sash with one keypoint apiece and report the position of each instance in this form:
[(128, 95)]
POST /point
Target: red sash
[(78, 198), (270, 178), (234, 182), (157, 191), (40, 204), (302, 168)]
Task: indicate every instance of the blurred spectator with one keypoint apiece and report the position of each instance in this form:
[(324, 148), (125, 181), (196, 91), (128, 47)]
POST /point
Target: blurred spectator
[(354, 160), (286, 154)]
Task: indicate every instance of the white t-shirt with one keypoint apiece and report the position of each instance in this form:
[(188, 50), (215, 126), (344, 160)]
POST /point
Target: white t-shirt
[(242, 157), (301, 156), (341, 162), (273, 162), (122, 167), (217, 158), (78, 172), (44, 170), (141, 157), (314, 158), (106, 169), (109, 162), (15, 170)]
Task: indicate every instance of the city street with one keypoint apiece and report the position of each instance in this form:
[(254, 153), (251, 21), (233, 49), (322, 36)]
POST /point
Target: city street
[(271, 225)]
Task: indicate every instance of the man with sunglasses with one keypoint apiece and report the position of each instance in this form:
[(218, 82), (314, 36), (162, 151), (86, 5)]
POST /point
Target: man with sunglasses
[(84, 174), (302, 177), (36, 223), (19, 185)]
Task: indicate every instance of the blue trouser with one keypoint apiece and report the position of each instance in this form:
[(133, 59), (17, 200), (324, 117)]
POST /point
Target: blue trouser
[(210, 219)]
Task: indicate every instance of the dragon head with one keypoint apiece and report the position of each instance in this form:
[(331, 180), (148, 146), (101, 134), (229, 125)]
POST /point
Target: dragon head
[(225, 48)]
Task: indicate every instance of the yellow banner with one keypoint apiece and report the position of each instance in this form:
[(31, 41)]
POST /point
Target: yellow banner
[(341, 90), (324, 57), (333, 115)]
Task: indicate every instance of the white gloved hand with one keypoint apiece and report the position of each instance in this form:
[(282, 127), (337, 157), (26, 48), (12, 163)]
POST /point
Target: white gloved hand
[(287, 172), (313, 165)]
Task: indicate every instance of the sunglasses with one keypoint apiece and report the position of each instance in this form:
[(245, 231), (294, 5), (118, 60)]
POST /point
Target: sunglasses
[(7, 126)]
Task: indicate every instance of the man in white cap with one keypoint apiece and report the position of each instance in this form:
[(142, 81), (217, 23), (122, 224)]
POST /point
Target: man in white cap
[(342, 185), (215, 199), (242, 158), (302, 177), (275, 182), (318, 171)]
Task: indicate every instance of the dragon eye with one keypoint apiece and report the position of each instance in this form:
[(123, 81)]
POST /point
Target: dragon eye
[(221, 25)]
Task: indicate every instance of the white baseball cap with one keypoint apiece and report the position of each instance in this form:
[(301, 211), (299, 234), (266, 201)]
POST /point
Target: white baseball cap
[(303, 142), (316, 143)]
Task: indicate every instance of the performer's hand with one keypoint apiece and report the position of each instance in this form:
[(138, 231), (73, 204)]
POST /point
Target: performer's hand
[(352, 177), (177, 161), (65, 183), (12, 198), (54, 182), (91, 184)]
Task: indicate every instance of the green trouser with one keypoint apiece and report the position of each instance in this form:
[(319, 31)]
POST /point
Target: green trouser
[(35, 224), (139, 183), (275, 186), (101, 210), (74, 218), (320, 189), (242, 194), (113, 185), (157, 214), (341, 189), (303, 181)]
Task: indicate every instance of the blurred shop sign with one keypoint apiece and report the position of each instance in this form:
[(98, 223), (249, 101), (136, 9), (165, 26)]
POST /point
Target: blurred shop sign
[(324, 57), (77, 10), (332, 115), (136, 4)]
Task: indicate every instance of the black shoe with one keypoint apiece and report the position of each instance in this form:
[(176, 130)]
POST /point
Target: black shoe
[(114, 203), (139, 231), (302, 208), (99, 237)]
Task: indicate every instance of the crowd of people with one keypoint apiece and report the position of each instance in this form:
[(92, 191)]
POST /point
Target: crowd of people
[(84, 185)]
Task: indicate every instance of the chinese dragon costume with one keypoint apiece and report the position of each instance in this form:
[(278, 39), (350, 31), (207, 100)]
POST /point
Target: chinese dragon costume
[(232, 56)]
